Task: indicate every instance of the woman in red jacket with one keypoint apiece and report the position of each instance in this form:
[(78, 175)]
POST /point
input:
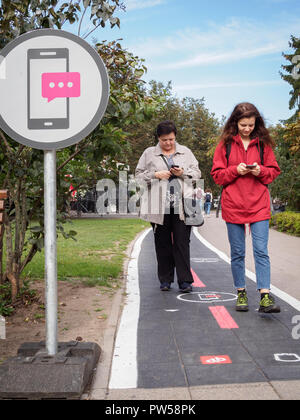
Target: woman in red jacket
[(245, 196)]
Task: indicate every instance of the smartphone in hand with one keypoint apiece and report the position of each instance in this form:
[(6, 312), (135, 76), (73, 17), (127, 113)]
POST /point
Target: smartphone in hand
[(251, 166)]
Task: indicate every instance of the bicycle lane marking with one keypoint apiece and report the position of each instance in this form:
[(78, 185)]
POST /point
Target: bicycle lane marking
[(215, 359), (275, 291)]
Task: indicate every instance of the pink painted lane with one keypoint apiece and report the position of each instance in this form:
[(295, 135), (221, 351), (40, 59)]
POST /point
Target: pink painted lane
[(223, 317), (197, 281)]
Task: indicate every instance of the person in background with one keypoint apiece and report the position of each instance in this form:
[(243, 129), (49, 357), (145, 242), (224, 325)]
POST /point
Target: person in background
[(208, 198), (166, 169), (245, 197), (199, 197)]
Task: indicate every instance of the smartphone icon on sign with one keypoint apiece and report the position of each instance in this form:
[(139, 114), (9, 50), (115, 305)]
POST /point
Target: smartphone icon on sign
[(44, 114)]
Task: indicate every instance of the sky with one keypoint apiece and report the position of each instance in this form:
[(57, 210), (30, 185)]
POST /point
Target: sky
[(225, 51)]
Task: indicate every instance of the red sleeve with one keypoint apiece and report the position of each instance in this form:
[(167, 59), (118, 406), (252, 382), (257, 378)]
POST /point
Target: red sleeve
[(270, 169), (222, 174)]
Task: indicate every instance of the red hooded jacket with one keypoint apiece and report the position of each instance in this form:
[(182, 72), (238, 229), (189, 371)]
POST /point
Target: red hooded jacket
[(245, 199)]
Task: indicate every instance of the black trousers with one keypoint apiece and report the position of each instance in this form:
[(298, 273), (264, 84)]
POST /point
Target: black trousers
[(172, 246)]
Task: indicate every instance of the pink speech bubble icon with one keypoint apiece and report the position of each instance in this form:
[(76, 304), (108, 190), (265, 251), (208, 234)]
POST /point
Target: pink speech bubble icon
[(60, 85)]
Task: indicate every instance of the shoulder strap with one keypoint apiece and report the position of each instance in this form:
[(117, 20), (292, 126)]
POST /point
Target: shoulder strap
[(165, 160), (228, 150), (260, 148)]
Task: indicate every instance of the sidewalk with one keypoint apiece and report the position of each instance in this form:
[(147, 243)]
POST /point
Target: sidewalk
[(284, 253)]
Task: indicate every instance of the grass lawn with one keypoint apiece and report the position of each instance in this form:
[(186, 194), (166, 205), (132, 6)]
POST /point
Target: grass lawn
[(98, 254)]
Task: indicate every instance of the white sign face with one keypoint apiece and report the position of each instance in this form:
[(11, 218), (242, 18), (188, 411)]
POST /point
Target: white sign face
[(54, 89)]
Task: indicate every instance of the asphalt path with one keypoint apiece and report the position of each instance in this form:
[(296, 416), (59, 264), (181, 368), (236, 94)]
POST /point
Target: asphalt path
[(170, 339)]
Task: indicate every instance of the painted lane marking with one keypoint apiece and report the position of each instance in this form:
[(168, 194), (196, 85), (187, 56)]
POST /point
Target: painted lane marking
[(295, 303), (205, 260), (287, 357), (124, 362), (215, 360), (197, 281), (207, 297), (223, 317)]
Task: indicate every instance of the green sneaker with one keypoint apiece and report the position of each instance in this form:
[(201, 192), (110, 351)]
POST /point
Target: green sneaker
[(267, 305), (242, 301)]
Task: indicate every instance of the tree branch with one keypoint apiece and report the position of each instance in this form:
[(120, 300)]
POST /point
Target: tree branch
[(72, 156), (81, 21), (97, 26), (29, 257), (6, 142)]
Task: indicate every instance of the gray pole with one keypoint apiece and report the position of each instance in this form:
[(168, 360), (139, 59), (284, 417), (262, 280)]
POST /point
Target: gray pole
[(50, 250)]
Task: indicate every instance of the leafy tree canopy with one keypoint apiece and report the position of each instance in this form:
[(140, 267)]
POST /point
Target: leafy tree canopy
[(20, 16), (293, 75)]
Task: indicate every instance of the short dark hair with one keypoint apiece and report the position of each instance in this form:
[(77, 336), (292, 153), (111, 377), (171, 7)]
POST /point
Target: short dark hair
[(165, 127)]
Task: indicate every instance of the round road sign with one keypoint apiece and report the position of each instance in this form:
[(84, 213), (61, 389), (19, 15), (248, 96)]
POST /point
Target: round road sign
[(54, 89)]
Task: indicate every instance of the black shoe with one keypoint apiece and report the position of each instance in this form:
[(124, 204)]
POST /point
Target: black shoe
[(267, 305), (185, 287), (164, 287)]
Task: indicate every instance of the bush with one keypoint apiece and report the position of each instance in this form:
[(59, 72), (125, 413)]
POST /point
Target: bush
[(25, 296), (286, 221), (5, 300)]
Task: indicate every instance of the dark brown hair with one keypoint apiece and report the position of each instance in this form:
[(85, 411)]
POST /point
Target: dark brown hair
[(165, 127), (246, 110)]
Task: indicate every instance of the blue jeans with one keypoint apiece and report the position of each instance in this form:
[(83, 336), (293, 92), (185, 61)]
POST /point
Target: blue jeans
[(207, 206), (260, 236)]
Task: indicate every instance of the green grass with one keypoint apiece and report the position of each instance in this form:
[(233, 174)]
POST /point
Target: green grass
[(98, 254)]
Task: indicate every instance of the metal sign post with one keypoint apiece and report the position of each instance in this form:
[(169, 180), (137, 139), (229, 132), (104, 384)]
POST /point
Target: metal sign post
[(61, 95), (50, 250)]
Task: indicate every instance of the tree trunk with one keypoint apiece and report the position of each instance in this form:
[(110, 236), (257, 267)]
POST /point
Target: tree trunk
[(29, 257), (1, 253), (9, 257), (14, 286)]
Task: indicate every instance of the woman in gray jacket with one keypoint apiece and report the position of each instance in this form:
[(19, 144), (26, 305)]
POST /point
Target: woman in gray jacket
[(166, 173)]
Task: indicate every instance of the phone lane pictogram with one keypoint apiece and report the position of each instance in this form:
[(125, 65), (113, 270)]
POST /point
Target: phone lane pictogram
[(60, 85)]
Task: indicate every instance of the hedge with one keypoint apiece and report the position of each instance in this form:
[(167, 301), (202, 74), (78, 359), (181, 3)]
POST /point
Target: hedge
[(286, 221)]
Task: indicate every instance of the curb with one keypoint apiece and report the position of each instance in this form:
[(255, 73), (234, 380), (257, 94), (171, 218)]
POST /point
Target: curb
[(99, 387)]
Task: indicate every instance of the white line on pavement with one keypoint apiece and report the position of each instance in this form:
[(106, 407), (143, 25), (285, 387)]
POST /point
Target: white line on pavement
[(124, 362)]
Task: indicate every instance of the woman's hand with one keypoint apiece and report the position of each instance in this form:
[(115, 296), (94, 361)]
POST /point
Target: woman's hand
[(242, 170), (256, 170), (176, 171), (163, 174)]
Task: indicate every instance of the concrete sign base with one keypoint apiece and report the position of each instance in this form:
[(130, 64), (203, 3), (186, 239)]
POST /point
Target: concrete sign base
[(34, 375), (2, 328)]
